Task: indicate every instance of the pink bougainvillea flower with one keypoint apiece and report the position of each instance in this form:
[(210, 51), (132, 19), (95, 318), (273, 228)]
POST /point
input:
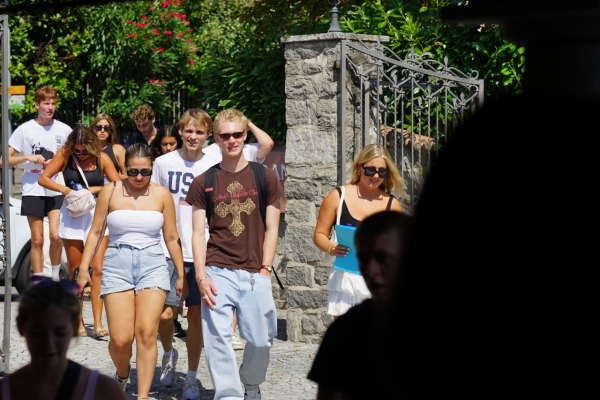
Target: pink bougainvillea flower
[(179, 35), (161, 50), (145, 38), (152, 80), (144, 17), (178, 2), (186, 22), (191, 62), (129, 22), (156, 33), (168, 33), (190, 30), (190, 40), (142, 24), (166, 3), (160, 82), (164, 62)]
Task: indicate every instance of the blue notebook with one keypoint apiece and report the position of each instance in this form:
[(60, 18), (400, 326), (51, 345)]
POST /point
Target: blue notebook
[(345, 237)]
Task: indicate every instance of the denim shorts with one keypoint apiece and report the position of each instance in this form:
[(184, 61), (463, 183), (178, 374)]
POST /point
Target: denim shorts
[(126, 267)]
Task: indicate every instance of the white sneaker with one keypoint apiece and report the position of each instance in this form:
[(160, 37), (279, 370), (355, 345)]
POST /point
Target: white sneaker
[(184, 312), (190, 390), (236, 342), (251, 392), (123, 381), (167, 373)]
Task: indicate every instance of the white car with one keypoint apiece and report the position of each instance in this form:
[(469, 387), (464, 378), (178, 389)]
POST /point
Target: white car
[(20, 238)]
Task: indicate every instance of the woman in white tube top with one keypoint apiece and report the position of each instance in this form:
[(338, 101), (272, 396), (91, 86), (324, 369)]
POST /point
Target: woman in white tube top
[(134, 276), (374, 177)]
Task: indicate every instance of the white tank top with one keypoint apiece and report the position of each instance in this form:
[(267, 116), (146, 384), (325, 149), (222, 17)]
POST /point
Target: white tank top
[(139, 229)]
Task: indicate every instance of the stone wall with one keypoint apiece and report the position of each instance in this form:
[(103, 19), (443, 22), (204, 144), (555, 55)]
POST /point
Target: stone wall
[(312, 89)]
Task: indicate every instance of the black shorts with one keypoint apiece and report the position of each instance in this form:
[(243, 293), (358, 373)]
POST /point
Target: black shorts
[(40, 206)]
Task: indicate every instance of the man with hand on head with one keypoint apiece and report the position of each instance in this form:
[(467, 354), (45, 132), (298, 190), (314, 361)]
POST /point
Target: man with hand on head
[(241, 201), (378, 241), (176, 171), (37, 141)]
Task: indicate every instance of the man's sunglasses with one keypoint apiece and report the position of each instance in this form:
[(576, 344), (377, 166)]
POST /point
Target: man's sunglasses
[(80, 153), (225, 136), (136, 172), (107, 128), (371, 171)]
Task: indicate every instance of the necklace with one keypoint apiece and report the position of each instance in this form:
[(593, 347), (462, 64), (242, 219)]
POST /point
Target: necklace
[(135, 196)]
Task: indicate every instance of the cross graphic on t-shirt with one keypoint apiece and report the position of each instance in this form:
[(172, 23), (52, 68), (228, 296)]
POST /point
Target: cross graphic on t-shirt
[(235, 207)]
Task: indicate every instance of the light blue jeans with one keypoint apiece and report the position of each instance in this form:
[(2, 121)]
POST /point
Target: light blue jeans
[(257, 322)]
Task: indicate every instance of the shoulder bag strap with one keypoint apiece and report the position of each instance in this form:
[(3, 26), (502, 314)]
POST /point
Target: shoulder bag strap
[(81, 172), (103, 228), (389, 205), (339, 210)]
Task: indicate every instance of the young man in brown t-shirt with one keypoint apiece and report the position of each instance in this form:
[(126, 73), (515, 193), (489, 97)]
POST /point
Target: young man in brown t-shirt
[(233, 270)]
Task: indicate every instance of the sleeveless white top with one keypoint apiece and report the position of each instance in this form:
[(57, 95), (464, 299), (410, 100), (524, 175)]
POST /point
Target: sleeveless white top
[(136, 228)]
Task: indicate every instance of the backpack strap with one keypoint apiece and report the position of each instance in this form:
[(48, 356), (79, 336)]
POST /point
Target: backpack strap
[(209, 186), (260, 179)]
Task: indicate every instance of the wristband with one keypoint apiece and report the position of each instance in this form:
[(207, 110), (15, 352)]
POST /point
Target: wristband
[(63, 190), (329, 249)]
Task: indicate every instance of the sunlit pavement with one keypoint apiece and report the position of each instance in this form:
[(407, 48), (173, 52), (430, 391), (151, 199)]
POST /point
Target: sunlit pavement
[(290, 362)]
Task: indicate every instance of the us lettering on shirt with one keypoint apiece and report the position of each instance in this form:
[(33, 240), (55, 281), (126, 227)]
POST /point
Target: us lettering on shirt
[(180, 182)]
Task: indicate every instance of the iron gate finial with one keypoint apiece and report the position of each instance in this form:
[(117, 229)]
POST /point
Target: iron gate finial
[(335, 26)]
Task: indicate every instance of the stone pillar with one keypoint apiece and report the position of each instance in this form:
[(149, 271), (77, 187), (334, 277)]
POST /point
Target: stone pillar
[(312, 89)]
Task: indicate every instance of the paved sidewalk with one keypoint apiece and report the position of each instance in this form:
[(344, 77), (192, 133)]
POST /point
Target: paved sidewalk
[(290, 363)]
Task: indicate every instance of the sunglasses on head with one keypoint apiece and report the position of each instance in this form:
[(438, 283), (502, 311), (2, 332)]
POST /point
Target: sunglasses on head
[(226, 136), (70, 287), (107, 128), (371, 171), (136, 172), (80, 153)]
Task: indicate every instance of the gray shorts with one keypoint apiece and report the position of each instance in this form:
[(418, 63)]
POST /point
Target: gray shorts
[(193, 297)]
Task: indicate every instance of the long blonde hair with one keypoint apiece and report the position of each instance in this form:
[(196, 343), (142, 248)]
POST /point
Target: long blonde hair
[(112, 137), (393, 182)]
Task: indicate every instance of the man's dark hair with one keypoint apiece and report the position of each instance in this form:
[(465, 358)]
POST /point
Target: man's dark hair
[(384, 222)]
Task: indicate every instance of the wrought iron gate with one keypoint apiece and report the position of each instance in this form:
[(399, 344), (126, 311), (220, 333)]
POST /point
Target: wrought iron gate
[(410, 105)]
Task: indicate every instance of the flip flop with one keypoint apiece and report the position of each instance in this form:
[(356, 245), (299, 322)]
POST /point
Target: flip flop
[(100, 332), (82, 333), (87, 294)]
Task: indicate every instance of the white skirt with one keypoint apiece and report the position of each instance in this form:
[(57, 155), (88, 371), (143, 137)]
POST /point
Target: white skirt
[(74, 228), (345, 291)]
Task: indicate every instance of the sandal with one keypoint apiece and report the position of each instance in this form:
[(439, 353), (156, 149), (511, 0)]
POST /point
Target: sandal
[(100, 332), (87, 294), (82, 333)]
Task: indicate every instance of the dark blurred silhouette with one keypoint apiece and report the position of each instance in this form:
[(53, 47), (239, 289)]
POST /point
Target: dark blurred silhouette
[(499, 288)]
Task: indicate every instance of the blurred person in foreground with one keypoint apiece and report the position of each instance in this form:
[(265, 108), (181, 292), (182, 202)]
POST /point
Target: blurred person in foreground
[(48, 318), (499, 282), (336, 369)]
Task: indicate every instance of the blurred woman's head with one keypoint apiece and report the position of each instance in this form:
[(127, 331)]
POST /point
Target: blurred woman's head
[(167, 140), (387, 172), (83, 142), (48, 318), (106, 129)]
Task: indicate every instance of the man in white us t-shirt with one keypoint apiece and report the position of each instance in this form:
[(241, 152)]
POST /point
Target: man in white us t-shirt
[(37, 141), (252, 151), (176, 171)]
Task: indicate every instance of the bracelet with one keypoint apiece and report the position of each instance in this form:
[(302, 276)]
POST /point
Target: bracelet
[(63, 190), (329, 249), (200, 281)]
